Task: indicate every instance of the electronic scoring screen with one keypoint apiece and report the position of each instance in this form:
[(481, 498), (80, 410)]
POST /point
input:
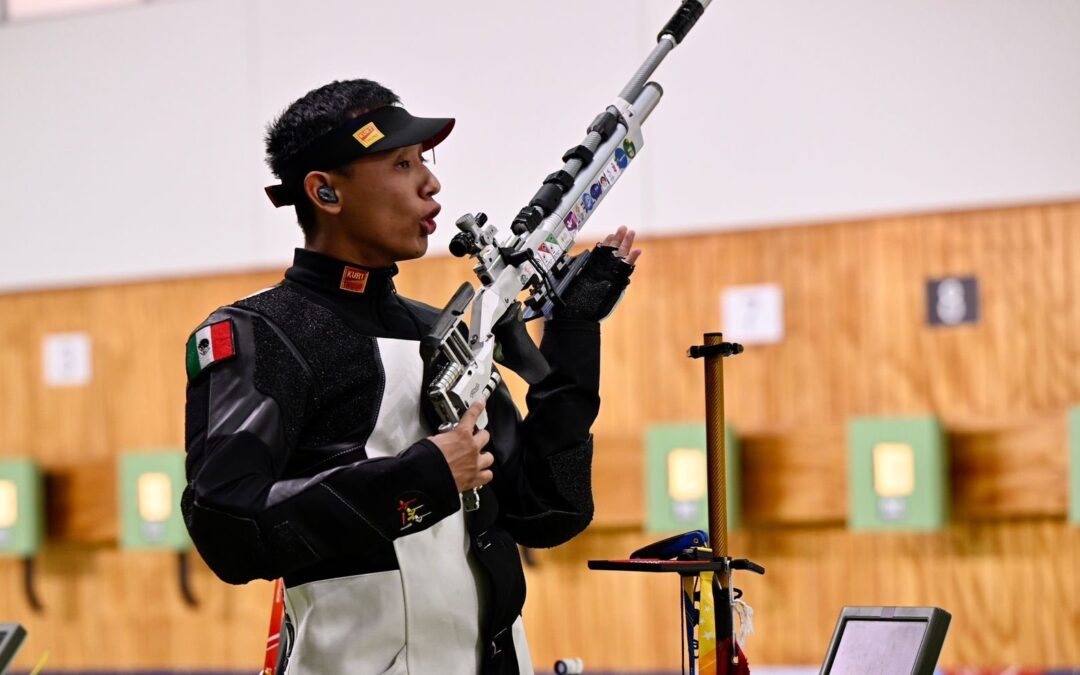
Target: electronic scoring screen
[(886, 641), (878, 647)]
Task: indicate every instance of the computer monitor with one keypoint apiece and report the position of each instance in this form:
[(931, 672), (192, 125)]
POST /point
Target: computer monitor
[(11, 638), (886, 641)]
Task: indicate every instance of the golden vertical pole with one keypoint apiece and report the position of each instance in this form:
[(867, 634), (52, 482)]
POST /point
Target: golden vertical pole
[(716, 451), (713, 351)]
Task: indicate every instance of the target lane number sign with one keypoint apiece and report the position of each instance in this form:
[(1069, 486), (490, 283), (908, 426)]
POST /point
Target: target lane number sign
[(952, 301)]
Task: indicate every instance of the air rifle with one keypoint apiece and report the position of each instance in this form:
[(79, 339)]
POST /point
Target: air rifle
[(534, 256)]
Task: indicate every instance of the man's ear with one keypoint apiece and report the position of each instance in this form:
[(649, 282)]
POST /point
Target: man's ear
[(319, 188)]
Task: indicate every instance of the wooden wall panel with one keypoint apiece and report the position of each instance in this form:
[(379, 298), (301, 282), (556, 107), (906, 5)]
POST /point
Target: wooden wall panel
[(1017, 470), (104, 607), (856, 344)]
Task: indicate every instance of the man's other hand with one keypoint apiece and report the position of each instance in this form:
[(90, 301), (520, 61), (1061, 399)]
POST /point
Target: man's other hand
[(602, 280), (462, 446), (623, 241)]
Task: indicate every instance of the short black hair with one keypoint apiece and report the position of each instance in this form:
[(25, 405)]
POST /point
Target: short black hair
[(311, 116)]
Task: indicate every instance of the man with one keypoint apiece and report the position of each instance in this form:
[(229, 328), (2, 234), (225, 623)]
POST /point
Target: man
[(311, 450)]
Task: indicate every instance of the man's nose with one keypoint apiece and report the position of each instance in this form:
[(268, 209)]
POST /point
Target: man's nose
[(432, 186)]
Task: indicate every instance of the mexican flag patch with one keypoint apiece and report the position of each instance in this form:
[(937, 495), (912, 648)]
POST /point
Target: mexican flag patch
[(209, 345)]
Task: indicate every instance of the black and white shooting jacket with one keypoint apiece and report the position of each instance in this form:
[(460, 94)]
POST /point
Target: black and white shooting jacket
[(308, 459)]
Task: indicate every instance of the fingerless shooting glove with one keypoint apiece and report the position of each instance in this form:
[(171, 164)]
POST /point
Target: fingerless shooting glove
[(598, 287)]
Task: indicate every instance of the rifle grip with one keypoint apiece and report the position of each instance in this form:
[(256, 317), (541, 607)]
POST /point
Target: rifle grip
[(470, 499)]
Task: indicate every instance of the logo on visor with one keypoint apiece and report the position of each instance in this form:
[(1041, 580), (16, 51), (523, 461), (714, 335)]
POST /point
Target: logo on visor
[(354, 280), (368, 135)]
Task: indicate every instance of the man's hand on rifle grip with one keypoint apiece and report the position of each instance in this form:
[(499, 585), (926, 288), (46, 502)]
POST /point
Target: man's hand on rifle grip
[(463, 448)]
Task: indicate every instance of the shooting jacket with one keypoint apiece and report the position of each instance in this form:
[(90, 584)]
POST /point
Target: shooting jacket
[(308, 459)]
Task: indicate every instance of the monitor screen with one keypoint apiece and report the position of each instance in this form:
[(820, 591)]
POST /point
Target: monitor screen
[(878, 647), (886, 641)]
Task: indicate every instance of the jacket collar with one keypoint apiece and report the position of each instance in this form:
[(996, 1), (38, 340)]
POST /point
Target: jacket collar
[(338, 277)]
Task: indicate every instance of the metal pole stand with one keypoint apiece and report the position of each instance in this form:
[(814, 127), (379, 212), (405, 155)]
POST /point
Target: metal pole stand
[(682, 554), (713, 351)]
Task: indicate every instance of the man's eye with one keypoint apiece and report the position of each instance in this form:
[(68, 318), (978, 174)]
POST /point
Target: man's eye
[(404, 164)]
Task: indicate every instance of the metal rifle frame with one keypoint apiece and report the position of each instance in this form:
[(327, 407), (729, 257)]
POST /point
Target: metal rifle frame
[(460, 348)]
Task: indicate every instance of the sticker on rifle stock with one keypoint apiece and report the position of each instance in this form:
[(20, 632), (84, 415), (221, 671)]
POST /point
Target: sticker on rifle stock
[(550, 247), (595, 192), (612, 171), (548, 254), (548, 260), (563, 239)]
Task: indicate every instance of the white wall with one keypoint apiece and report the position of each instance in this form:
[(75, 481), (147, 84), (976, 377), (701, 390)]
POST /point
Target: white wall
[(130, 140)]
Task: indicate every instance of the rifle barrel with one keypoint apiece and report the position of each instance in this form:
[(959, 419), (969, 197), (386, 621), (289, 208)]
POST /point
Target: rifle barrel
[(673, 33)]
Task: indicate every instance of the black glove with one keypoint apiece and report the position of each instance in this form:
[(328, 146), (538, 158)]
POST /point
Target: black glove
[(597, 288)]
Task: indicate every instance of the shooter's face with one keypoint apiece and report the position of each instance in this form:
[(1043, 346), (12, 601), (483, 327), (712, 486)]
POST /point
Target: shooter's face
[(387, 205)]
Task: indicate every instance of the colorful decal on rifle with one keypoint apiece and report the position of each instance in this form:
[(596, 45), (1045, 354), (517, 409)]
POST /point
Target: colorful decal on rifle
[(354, 280), (368, 135), (209, 345), (546, 254), (580, 211), (412, 510), (545, 259), (549, 245), (596, 191), (563, 239)]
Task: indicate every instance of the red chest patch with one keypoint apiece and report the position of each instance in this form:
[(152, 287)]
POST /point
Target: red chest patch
[(354, 280)]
